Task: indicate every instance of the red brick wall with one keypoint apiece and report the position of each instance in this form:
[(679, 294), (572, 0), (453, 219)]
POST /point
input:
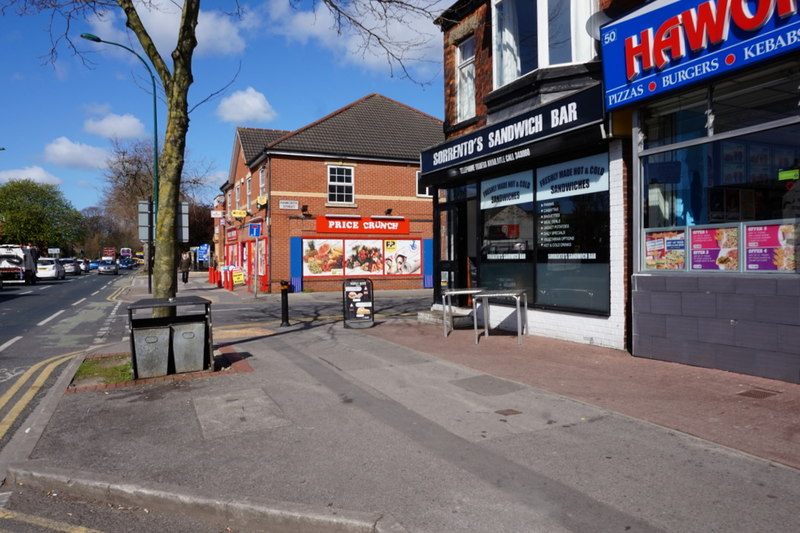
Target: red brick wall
[(377, 187), (479, 25)]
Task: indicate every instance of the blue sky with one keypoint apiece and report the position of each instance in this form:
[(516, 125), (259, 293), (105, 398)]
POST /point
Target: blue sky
[(58, 120)]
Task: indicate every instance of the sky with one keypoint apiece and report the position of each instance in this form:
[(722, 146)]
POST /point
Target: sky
[(274, 67)]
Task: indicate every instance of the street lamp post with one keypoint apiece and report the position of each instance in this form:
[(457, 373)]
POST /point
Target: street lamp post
[(154, 219)]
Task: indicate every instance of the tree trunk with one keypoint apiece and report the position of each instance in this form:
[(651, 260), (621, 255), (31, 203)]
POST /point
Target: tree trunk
[(176, 87)]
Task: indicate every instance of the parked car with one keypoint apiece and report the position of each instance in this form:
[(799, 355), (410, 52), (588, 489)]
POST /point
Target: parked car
[(71, 266), (108, 266), (17, 263), (50, 268)]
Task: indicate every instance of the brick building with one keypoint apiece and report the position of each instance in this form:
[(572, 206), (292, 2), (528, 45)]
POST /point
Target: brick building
[(336, 199), (645, 200), (709, 89), (531, 188)]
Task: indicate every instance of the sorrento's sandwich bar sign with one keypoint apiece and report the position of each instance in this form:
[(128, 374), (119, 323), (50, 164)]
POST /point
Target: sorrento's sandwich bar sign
[(506, 141), (669, 44)]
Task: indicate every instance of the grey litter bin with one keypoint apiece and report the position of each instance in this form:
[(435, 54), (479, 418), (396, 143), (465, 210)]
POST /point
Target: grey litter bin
[(188, 346), (151, 348), (169, 345)]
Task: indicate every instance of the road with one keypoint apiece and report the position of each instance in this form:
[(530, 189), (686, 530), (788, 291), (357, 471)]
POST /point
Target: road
[(47, 324), (44, 325)]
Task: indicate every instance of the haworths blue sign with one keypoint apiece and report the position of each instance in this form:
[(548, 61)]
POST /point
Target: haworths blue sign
[(669, 44)]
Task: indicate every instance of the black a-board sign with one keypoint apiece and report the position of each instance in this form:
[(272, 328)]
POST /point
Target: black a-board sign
[(357, 299)]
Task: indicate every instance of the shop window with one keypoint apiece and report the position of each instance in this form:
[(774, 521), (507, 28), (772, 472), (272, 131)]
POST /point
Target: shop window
[(755, 99), (465, 89), (676, 119), (340, 185), (530, 35), (706, 206), (506, 205), (572, 238)]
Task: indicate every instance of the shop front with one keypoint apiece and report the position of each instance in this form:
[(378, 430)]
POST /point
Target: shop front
[(352, 246), (714, 93), (246, 258), (536, 203)]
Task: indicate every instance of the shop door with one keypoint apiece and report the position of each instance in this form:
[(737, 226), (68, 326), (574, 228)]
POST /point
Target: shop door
[(454, 265)]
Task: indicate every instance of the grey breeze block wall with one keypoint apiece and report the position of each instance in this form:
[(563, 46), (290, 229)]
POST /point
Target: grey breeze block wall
[(744, 324)]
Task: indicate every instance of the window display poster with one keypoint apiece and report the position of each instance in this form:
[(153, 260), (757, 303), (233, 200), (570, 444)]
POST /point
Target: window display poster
[(402, 257), (579, 176), (361, 257), (715, 248), (323, 257), (771, 247), (665, 250), (507, 190)]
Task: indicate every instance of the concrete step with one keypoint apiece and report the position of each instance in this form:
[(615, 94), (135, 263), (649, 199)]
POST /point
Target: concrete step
[(460, 318)]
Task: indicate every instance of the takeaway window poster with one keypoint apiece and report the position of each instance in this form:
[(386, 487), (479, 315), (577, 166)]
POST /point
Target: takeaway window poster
[(771, 247), (715, 248), (665, 250)]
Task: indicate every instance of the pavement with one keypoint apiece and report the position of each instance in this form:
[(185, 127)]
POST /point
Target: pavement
[(314, 427)]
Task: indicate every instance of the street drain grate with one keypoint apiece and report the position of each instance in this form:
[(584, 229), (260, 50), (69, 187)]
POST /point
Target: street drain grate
[(508, 412), (758, 394)]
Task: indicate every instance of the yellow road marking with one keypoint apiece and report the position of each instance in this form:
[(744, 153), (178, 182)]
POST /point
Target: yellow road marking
[(15, 411), (28, 373), (45, 522)]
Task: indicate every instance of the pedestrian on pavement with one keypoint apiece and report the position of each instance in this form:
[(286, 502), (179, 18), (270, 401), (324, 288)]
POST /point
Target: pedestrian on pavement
[(185, 267)]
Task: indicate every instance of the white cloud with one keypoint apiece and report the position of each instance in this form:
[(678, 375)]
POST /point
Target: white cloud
[(419, 40), (66, 153), (37, 174), (245, 106), (218, 35), (114, 126), (97, 109)]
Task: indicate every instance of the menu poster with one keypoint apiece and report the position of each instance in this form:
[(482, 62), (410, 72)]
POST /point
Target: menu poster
[(771, 247), (665, 250), (715, 248)]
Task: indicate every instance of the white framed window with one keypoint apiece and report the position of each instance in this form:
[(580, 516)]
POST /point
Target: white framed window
[(238, 196), (421, 189), (261, 182), (230, 201), (340, 185), (528, 35), (465, 76), (249, 196)]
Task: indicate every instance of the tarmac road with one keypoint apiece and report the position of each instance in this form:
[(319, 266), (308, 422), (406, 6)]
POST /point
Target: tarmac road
[(394, 428)]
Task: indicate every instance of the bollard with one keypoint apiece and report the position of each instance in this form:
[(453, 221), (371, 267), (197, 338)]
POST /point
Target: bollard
[(284, 303)]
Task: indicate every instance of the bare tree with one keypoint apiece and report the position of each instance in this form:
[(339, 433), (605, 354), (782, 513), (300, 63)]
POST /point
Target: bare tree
[(129, 179), (373, 20)]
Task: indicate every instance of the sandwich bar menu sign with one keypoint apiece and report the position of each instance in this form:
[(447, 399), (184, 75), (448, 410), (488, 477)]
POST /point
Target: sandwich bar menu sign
[(358, 304)]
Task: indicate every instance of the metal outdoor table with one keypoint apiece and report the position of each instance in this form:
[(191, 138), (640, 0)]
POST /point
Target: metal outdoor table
[(447, 301), (517, 295)]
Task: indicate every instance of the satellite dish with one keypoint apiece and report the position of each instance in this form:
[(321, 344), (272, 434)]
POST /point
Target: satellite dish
[(598, 19)]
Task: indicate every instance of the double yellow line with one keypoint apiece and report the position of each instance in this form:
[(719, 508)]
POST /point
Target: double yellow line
[(44, 522), (49, 366)]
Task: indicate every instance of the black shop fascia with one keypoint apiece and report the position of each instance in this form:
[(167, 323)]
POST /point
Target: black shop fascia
[(564, 126)]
